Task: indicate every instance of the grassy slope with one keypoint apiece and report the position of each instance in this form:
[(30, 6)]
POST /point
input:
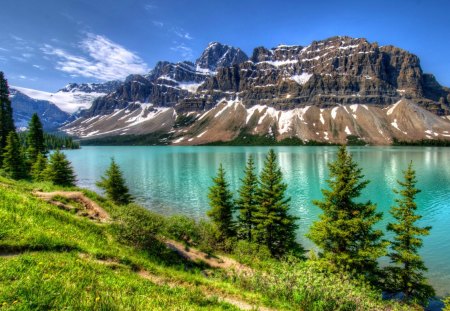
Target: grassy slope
[(51, 258)]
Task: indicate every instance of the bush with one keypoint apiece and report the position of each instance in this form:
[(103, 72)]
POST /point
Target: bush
[(181, 228), (138, 227), (208, 236), (251, 253)]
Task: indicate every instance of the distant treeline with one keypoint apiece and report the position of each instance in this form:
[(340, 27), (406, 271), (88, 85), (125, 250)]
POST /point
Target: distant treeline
[(53, 141), (422, 142)]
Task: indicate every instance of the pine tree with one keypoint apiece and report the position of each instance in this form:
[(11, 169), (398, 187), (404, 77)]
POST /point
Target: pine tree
[(275, 228), (247, 203), (345, 230), (114, 185), (407, 274), (13, 160), (38, 168), (6, 115), (35, 139), (222, 206), (59, 170)]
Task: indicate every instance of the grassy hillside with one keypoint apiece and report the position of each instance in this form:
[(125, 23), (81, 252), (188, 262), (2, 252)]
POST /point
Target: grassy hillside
[(54, 258)]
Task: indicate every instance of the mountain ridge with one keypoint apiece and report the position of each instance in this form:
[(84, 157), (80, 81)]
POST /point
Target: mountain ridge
[(338, 71)]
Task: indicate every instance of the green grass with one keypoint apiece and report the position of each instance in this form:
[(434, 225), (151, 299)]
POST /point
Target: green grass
[(55, 259)]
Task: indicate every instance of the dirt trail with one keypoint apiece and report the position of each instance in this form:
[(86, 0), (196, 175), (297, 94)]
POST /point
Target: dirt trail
[(207, 292), (98, 213), (194, 255), (93, 210)]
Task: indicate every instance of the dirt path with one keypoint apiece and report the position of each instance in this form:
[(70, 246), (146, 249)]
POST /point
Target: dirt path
[(93, 210), (207, 292), (194, 255), (96, 212)]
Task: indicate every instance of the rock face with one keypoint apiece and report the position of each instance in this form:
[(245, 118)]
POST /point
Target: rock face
[(328, 74), (24, 106), (218, 55)]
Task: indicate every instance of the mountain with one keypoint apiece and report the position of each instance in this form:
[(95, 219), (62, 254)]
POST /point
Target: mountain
[(329, 75), (55, 109), (72, 97), (24, 106)]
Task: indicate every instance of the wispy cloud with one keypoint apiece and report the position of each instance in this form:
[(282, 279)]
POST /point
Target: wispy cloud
[(180, 32), (158, 24), (150, 6), (185, 51), (38, 67), (103, 59)]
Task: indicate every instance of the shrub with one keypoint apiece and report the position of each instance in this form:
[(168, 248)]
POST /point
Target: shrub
[(181, 228), (138, 227)]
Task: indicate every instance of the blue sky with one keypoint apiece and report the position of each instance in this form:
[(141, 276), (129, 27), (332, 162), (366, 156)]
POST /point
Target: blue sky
[(46, 44)]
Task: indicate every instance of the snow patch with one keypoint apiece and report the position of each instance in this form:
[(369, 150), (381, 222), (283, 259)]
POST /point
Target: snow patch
[(354, 107), (66, 101), (191, 87), (302, 78), (321, 118), (334, 112), (347, 130), (392, 108), (279, 63)]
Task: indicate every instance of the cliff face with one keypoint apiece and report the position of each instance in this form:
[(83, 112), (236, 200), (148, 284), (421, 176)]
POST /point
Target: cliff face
[(323, 75)]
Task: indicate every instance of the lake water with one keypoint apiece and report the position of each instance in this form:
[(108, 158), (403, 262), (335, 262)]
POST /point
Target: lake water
[(173, 180)]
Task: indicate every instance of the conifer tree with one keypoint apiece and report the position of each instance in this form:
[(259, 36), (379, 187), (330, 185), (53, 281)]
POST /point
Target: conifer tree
[(38, 168), (114, 185), (407, 274), (222, 206), (13, 159), (59, 170), (35, 139), (275, 227), (6, 115), (345, 230), (247, 202)]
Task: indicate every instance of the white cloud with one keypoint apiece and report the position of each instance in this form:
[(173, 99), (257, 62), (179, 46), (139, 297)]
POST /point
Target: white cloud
[(150, 7), (185, 51), (180, 32), (104, 59), (158, 24), (38, 67)]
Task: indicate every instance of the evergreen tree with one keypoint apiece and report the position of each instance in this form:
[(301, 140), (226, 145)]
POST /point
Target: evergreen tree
[(38, 168), (35, 139), (6, 115), (407, 274), (275, 228), (345, 229), (13, 160), (114, 185), (222, 206), (59, 170), (247, 202)]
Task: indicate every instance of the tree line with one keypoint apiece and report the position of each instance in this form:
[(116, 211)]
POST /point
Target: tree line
[(28, 159), (345, 232), (52, 141)]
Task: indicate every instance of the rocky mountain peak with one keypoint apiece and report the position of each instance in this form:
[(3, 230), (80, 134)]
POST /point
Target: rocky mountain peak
[(106, 87), (220, 55)]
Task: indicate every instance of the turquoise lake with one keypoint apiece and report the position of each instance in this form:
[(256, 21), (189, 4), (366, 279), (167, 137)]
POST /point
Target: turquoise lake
[(173, 180)]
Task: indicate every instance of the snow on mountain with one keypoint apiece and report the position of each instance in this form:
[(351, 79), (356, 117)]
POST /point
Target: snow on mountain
[(67, 101)]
